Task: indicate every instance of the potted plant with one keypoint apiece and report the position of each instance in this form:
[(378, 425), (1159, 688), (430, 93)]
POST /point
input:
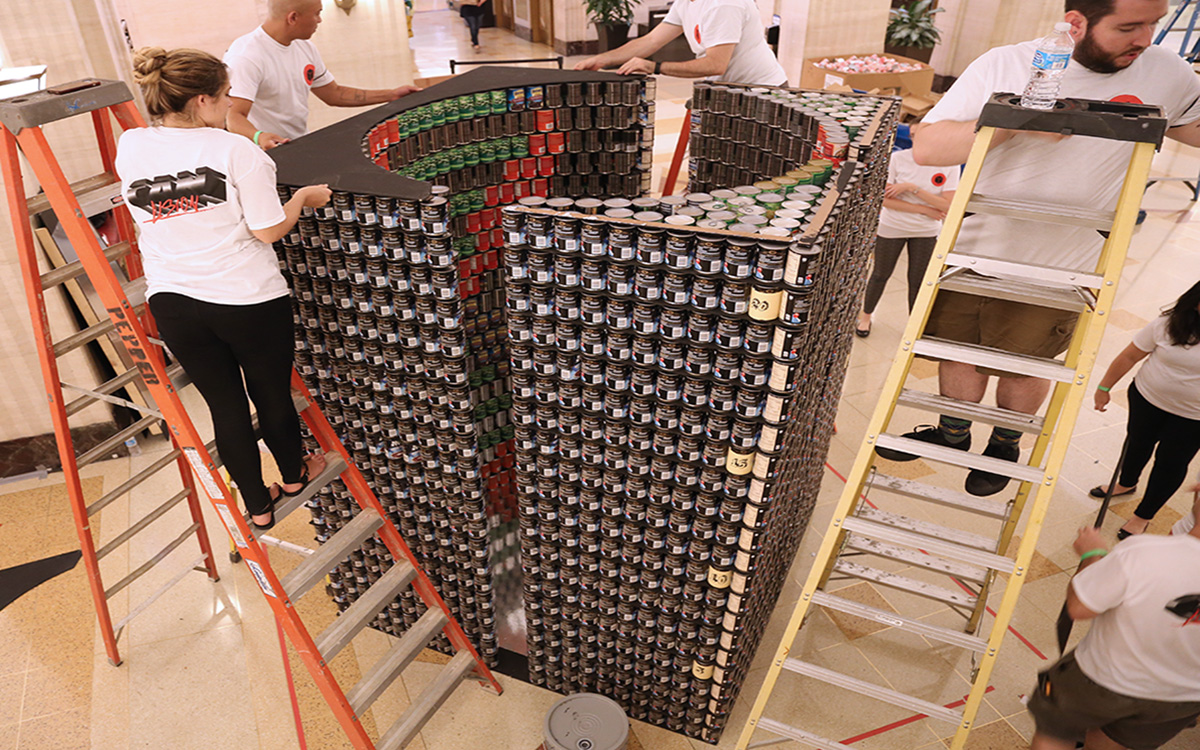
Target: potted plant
[(612, 19), (911, 31)]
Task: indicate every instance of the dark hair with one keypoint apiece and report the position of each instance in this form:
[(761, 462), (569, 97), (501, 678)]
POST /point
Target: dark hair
[(1183, 320), (169, 80), (1092, 10)]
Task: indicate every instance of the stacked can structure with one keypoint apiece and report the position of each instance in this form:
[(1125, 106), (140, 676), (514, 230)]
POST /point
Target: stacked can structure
[(742, 135), (400, 312), (675, 380)]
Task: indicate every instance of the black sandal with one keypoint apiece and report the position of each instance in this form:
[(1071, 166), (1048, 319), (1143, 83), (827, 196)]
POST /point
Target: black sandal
[(304, 480), (270, 524)]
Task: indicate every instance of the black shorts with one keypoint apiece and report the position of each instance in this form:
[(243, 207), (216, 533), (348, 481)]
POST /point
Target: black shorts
[(1067, 705)]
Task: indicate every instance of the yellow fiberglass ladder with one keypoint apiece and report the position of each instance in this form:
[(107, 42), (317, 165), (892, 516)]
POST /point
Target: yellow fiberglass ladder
[(861, 532), (22, 120)]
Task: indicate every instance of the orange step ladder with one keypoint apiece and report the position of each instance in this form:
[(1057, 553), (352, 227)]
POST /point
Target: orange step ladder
[(22, 119)]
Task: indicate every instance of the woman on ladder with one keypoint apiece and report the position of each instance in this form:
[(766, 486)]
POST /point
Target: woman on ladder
[(207, 206)]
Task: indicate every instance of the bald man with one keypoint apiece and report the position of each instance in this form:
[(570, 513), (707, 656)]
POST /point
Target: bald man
[(273, 68)]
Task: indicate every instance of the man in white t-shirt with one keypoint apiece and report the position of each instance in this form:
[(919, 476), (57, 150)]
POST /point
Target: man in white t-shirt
[(725, 35), (273, 68), (1114, 60), (1134, 679)]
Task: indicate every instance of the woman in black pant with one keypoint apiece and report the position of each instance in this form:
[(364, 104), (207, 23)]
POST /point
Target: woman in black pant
[(206, 203), (1164, 407)]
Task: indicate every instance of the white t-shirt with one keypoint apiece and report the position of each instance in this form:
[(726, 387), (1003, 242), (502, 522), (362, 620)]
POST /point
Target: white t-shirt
[(1077, 171), (1146, 641), (1170, 376), (708, 23), (196, 193), (277, 79), (902, 168)]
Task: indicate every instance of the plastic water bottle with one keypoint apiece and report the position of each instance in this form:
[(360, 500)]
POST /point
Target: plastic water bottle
[(134, 448), (1049, 66)]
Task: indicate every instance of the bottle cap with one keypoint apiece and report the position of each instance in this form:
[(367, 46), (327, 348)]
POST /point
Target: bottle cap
[(1062, 26)]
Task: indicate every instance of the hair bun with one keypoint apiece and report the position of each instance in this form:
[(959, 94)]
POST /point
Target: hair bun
[(148, 62)]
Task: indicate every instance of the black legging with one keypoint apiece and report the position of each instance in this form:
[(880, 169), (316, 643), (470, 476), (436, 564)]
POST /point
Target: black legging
[(887, 252), (1177, 439), (474, 19), (218, 345)]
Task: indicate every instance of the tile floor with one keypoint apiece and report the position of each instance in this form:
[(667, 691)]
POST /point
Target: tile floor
[(203, 667)]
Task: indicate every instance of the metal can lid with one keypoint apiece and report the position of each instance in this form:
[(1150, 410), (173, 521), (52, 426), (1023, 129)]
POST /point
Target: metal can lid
[(648, 216)]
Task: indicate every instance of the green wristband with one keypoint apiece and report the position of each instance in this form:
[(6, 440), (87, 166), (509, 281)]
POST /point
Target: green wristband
[(1093, 553), (257, 133), (1104, 388)]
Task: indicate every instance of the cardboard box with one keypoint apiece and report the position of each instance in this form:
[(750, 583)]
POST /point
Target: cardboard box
[(919, 82)]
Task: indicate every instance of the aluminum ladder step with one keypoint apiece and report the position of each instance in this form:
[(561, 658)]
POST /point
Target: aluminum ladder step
[(1069, 300), (915, 557), (929, 530), (799, 735), (334, 466), (970, 556), (143, 522), (955, 457), (145, 567), (972, 354), (113, 385), (136, 294), (1049, 280), (158, 465), (903, 583), (407, 726), (937, 404), (940, 496), (340, 545), (74, 269), (933, 632), (347, 625), (96, 194), (384, 672), (105, 448), (1046, 213), (871, 690)]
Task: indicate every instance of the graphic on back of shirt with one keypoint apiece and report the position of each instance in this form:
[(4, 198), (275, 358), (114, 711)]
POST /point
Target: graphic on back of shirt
[(174, 195), (1187, 607), (310, 73)]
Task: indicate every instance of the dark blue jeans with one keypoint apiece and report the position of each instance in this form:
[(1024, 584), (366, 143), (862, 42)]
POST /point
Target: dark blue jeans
[(473, 23)]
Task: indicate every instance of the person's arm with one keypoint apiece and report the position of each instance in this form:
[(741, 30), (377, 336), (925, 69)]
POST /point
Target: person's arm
[(1123, 363), (1090, 543), (237, 121), (312, 196), (336, 95), (714, 63), (895, 204), (1188, 134), (643, 46), (940, 201)]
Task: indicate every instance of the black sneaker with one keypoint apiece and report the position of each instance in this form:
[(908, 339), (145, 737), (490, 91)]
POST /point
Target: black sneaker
[(926, 433), (984, 483)]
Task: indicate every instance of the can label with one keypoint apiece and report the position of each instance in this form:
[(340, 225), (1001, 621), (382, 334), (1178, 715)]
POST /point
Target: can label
[(702, 671), (739, 464), (718, 578), (765, 305)]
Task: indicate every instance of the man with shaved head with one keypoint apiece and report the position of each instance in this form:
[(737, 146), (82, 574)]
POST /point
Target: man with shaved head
[(273, 68)]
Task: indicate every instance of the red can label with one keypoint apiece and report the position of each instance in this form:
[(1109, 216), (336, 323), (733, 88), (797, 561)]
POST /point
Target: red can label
[(545, 120), (541, 186), (491, 195), (512, 170), (537, 144), (521, 190), (498, 237), (545, 166), (507, 194), (556, 142), (473, 222), (529, 168)]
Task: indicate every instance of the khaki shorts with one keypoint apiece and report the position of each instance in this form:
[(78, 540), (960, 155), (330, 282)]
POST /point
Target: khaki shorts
[(1000, 324), (1067, 704)]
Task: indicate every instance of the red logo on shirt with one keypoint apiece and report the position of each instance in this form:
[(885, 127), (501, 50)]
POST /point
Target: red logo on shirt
[(310, 73), (696, 33), (938, 179), (1187, 607), (1126, 99)]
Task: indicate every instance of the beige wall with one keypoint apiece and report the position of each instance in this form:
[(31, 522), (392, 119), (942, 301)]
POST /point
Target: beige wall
[(972, 27), (816, 28)]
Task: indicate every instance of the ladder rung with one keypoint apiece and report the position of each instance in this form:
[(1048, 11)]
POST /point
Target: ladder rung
[(135, 293), (972, 354), (955, 457), (1070, 300), (146, 566), (338, 635), (942, 546), (932, 402), (334, 466), (74, 269), (96, 194), (903, 583), (132, 482), (406, 727), (943, 635), (931, 530), (1046, 213), (799, 735), (916, 557), (871, 690), (154, 515), (112, 386), (940, 496), (399, 656), (103, 449), (1057, 280), (332, 552)]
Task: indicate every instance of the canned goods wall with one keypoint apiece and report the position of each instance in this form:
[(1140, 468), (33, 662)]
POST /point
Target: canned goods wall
[(676, 367)]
